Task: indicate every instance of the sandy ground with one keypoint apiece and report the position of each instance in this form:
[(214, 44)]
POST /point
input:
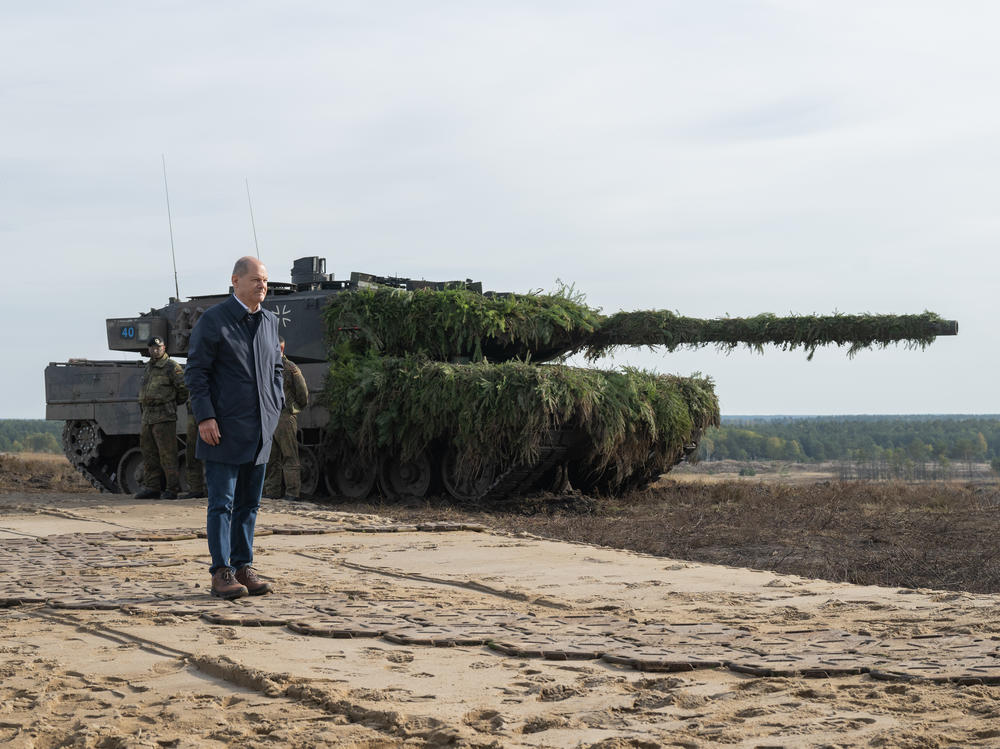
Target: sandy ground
[(458, 637)]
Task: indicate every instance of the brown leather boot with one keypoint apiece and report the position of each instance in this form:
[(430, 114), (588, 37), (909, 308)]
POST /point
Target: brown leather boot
[(255, 585), (224, 585)]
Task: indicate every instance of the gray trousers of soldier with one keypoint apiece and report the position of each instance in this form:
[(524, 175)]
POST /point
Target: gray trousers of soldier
[(283, 465), (158, 443)]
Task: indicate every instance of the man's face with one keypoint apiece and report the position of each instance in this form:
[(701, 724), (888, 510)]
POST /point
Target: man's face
[(156, 351), (251, 287)]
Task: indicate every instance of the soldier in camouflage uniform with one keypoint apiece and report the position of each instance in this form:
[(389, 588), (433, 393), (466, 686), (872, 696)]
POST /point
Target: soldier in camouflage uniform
[(193, 468), (161, 391), (284, 460)]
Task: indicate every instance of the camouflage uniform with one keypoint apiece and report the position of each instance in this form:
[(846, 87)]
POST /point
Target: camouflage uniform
[(161, 391), (193, 468), (284, 460)]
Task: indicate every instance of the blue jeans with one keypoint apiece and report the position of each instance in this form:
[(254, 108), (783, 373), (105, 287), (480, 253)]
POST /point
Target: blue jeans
[(233, 499)]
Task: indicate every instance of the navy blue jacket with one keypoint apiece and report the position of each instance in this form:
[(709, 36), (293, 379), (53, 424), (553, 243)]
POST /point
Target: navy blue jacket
[(236, 381)]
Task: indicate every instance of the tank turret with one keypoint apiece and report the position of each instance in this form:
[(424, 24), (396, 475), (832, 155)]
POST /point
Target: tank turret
[(418, 387)]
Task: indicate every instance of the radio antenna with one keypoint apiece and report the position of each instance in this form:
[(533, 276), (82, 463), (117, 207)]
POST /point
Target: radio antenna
[(170, 224), (252, 224)]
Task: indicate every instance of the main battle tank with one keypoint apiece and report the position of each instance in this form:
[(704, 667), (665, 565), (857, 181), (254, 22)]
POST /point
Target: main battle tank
[(423, 387)]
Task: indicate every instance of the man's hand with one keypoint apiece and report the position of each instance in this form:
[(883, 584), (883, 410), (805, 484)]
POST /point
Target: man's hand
[(208, 430)]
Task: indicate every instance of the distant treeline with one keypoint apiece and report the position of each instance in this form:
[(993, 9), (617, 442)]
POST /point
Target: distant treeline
[(30, 435), (917, 439)]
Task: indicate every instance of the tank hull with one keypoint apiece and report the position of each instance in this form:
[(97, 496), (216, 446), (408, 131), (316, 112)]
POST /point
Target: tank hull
[(486, 432), (98, 402)]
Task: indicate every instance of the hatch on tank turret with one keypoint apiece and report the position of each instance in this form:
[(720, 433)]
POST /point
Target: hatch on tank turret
[(310, 270)]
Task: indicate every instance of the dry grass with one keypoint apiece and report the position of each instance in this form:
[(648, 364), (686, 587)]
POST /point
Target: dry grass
[(780, 472), (887, 533), (787, 472), (39, 472), (26, 457)]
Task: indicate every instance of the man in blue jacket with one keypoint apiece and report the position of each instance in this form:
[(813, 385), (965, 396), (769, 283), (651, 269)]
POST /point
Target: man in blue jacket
[(234, 376)]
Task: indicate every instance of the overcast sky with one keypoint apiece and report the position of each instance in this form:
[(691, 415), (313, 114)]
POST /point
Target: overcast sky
[(712, 158)]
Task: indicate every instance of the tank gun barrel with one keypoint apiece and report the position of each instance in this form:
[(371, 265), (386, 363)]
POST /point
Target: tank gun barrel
[(461, 324), (809, 332)]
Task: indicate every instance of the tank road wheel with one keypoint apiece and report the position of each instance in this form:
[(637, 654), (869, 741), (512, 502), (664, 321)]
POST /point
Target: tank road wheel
[(555, 480), (405, 478), (308, 472), (81, 441), (465, 488), (351, 479), (130, 471)]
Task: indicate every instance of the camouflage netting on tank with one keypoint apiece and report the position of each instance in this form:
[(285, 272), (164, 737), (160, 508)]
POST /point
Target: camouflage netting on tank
[(664, 328), (499, 414), (458, 323)]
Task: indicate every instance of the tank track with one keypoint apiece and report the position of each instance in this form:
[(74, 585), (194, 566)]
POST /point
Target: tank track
[(558, 449), (606, 484), (81, 441), (523, 478)]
